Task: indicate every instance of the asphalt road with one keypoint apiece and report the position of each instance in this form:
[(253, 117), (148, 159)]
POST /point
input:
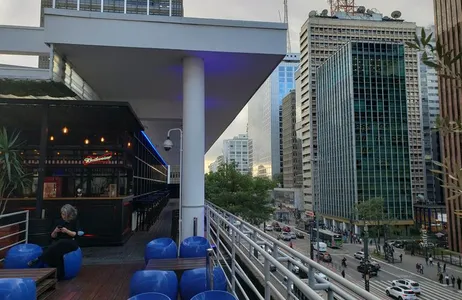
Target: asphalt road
[(431, 288)]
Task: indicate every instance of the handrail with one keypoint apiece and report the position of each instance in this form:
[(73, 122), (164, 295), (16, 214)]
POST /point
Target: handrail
[(269, 259), (24, 231), (295, 254)]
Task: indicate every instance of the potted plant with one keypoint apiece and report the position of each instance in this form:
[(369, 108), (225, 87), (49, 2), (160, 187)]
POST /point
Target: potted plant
[(13, 178)]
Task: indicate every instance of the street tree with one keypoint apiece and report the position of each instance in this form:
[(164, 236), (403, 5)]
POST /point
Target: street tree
[(242, 195), (373, 213)]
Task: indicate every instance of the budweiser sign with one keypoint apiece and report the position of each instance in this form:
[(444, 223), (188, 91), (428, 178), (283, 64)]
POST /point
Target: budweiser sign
[(102, 159)]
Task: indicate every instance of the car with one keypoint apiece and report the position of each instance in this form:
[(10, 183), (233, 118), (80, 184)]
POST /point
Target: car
[(375, 265), (409, 284), (359, 255), (285, 236), (286, 229), (269, 228), (362, 269), (323, 276), (300, 235), (292, 235), (324, 256), (400, 293), (276, 226), (295, 268)]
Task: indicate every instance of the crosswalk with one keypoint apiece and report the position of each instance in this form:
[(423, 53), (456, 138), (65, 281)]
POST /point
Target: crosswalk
[(430, 290)]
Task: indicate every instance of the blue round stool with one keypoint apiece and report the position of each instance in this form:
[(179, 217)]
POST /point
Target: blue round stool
[(18, 256), (72, 263), (160, 248), (164, 282), (194, 246), (17, 289), (214, 295), (150, 296), (195, 281)]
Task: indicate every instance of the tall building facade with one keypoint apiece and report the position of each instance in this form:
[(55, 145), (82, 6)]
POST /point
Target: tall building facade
[(291, 145), (236, 151), (264, 124), (363, 132), (140, 7), (320, 37), (430, 112), (448, 17)]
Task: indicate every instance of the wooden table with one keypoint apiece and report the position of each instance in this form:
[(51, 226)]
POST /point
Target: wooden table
[(45, 279), (179, 265)]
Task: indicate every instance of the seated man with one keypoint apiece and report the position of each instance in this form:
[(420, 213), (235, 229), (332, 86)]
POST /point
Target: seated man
[(64, 233)]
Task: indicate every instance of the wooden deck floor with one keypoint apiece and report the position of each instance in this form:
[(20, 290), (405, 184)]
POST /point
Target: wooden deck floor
[(108, 282)]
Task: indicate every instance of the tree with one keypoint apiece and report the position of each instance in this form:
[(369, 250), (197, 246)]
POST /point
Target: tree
[(444, 61), (242, 195), (13, 177), (373, 212)]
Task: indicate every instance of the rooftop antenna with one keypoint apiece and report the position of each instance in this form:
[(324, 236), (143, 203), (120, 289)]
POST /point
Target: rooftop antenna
[(396, 14), (347, 6), (286, 20)]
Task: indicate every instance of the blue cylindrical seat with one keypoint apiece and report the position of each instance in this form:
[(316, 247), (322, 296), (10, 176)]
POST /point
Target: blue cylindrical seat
[(18, 256), (72, 263), (150, 296), (17, 289), (146, 281), (214, 295), (195, 281), (160, 248), (194, 246)]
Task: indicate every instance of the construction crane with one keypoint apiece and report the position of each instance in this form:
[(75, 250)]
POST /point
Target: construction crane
[(286, 20), (347, 6)]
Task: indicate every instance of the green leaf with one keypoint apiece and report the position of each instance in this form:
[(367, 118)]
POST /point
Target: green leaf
[(423, 37), (428, 39), (432, 64), (456, 58), (412, 45)]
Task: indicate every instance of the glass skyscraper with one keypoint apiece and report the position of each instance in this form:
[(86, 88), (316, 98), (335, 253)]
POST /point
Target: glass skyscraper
[(363, 132), (265, 118)]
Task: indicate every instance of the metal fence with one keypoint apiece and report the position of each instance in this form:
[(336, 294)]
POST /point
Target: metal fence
[(14, 229), (439, 254), (271, 262)]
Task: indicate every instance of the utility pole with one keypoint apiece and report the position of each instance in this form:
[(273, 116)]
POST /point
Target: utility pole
[(366, 258)]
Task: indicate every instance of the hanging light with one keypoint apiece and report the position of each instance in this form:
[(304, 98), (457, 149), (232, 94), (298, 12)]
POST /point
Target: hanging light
[(65, 130), (87, 141), (129, 144), (102, 139), (52, 138)]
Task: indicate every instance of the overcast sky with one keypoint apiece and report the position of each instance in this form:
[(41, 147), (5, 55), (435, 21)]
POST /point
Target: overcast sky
[(26, 13)]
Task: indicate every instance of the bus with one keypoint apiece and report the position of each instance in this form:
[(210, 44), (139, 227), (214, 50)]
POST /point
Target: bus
[(332, 239)]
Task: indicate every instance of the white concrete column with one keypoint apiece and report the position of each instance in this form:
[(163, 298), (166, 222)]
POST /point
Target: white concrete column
[(193, 146)]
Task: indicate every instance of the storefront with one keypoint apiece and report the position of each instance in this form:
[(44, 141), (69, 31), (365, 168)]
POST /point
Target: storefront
[(93, 155)]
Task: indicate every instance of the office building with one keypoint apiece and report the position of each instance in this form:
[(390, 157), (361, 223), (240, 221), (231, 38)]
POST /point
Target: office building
[(140, 7), (236, 151), (264, 124), (363, 136), (213, 167), (448, 17), (291, 145), (430, 112), (320, 37)]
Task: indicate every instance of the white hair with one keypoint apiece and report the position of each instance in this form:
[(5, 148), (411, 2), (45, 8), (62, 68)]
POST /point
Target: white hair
[(70, 211)]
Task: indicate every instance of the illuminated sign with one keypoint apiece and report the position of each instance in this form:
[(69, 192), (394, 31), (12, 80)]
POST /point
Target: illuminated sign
[(102, 159)]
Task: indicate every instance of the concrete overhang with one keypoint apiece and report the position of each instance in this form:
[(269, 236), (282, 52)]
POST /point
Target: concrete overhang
[(24, 73), (22, 40), (138, 58)]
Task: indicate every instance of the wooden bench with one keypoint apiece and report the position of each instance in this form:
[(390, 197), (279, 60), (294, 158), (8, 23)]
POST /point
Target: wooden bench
[(179, 265), (45, 279)]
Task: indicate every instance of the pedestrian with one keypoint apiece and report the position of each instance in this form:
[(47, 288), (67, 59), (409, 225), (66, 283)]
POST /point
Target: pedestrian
[(430, 259), (343, 275), (459, 282), (444, 268), (453, 280), (441, 277), (426, 260), (291, 245), (447, 279), (401, 257), (421, 269)]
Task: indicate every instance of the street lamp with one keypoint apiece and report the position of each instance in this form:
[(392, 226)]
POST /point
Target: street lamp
[(168, 145), (366, 257)]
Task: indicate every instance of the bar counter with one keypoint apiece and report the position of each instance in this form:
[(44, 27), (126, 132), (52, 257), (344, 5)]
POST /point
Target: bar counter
[(104, 220)]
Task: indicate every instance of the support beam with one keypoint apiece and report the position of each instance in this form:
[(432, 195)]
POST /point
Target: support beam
[(193, 146), (42, 158)]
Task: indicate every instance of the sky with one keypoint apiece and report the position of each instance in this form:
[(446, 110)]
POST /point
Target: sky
[(26, 13)]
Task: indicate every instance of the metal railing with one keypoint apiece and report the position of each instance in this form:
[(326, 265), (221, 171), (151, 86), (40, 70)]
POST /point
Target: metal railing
[(271, 262), (125, 6), (17, 228)]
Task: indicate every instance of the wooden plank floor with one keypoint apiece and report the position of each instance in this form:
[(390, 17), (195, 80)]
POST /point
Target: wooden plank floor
[(108, 282)]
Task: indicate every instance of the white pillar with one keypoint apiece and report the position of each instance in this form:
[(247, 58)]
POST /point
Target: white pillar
[(193, 146)]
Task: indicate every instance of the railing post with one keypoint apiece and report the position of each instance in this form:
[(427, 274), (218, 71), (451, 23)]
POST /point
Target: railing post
[(147, 7), (330, 295), (27, 226), (195, 227), (53, 5), (78, 4), (102, 5), (233, 262), (207, 221), (267, 275), (209, 268), (125, 6)]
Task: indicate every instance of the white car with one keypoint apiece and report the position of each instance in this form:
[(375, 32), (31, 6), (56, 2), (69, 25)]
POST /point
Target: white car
[(323, 276), (359, 255), (400, 293), (410, 284), (285, 236), (269, 228), (295, 268), (292, 235)]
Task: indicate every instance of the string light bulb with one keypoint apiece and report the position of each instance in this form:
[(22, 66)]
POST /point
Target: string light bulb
[(102, 139), (52, 138), (65, 130), (87, 141), (129, 144)]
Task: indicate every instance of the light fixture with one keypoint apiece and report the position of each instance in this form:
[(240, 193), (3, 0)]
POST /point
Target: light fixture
[(129, 144), (52, 138), (102, 139), (87, 141), (59, 153), (65, 130)]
